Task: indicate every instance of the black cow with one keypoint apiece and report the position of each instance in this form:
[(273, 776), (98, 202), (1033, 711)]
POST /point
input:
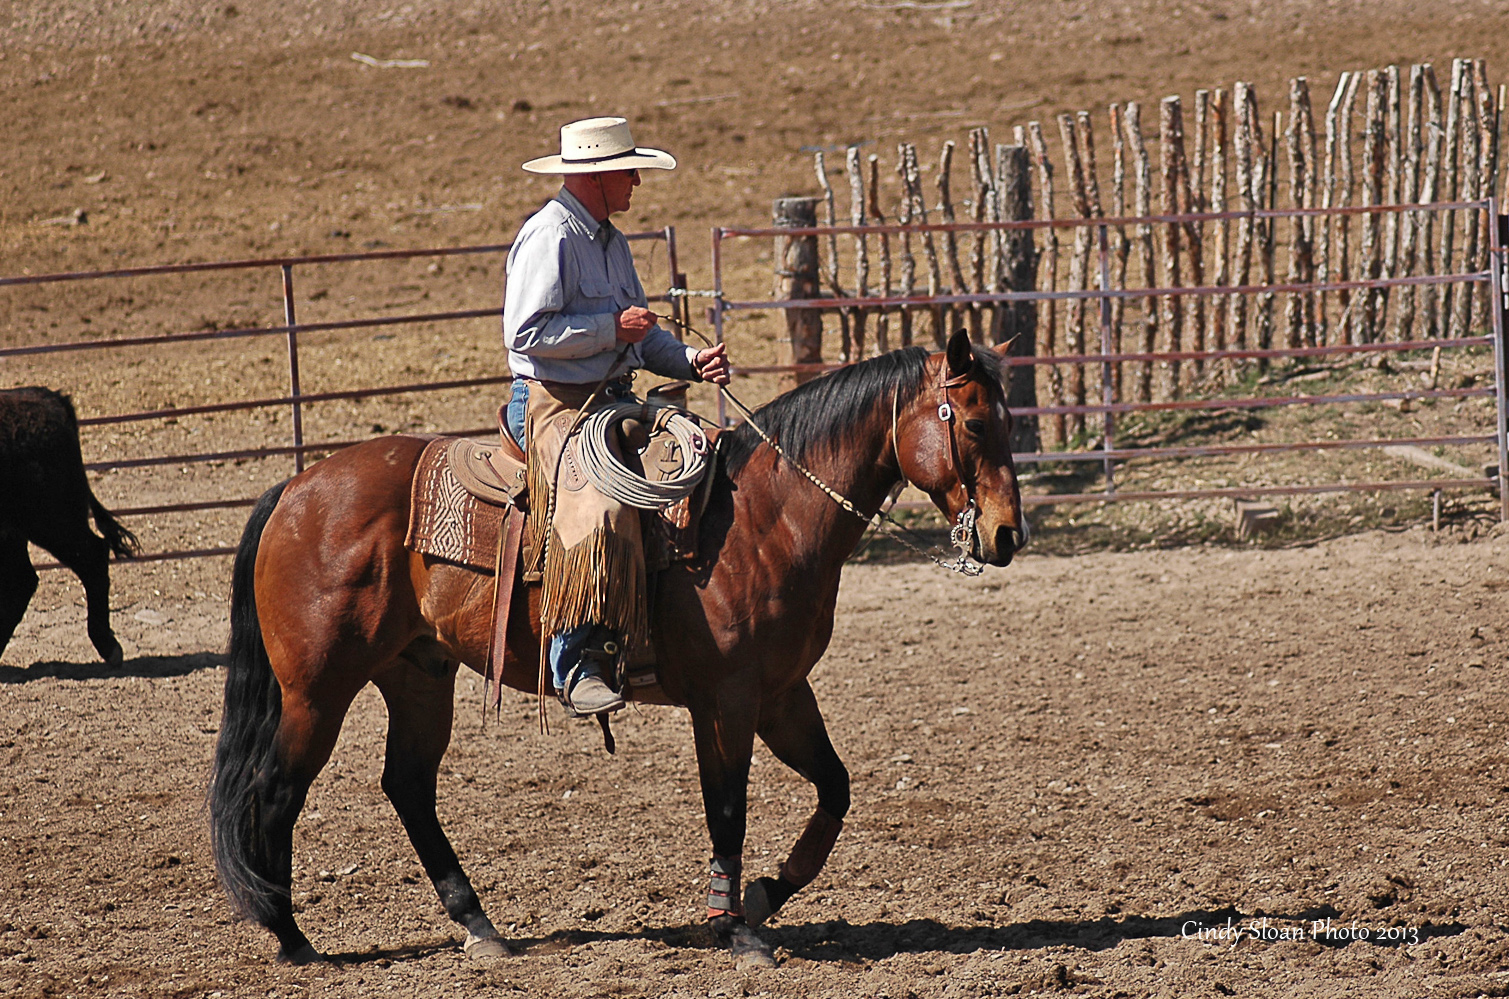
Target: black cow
[(45, 498)]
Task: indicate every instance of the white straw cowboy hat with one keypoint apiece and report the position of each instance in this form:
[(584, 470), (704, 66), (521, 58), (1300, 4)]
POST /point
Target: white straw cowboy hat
[(597, 145)]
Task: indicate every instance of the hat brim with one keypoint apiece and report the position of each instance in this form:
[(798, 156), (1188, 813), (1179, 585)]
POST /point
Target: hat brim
[(640, 159)]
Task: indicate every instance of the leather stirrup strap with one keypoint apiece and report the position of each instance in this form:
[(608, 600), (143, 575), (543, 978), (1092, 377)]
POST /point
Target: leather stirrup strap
[(511, 537)]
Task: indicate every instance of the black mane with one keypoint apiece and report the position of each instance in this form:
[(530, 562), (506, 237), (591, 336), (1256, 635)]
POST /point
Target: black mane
[(826, 410)]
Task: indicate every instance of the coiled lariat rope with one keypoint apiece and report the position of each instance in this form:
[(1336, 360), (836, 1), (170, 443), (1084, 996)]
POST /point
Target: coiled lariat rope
[(963, 565), (614, 480)]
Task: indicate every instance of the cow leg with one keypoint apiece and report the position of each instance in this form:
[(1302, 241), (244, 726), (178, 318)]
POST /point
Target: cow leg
[(793, 729), (18, 583), (724, 734), (71, 542), (420, 708)]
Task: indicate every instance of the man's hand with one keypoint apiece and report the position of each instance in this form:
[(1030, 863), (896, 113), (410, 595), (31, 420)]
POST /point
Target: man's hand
[(634, 323), (712, 364)]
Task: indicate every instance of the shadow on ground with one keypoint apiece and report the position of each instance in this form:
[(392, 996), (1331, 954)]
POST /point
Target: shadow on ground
[(840, 941), (144, 666)]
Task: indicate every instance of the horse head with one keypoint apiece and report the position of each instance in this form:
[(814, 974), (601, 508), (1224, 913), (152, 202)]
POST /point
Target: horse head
[(953, 441)]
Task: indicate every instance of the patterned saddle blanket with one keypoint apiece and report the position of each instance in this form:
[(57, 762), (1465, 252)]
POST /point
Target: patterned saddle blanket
[(457, 505), (464, 488)]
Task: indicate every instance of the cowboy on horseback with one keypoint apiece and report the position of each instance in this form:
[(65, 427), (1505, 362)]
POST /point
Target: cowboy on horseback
[(576, 327)]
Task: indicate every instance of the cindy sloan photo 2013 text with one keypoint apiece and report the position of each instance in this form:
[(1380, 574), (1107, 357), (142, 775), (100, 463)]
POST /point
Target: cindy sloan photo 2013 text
[(1233, 932)]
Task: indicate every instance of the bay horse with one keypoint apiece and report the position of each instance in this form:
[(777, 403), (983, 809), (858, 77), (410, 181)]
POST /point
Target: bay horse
[(325, 599)]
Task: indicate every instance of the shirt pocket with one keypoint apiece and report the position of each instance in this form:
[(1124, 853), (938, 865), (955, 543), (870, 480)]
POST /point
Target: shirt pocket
[(598, 296)]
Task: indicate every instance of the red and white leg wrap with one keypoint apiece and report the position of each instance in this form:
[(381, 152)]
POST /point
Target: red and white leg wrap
[(812, 849)]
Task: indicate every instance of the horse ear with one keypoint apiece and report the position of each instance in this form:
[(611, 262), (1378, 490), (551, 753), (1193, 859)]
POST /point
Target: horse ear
[(961, 353)]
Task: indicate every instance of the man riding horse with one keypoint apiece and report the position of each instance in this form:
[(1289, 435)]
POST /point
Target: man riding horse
[(576, 327)]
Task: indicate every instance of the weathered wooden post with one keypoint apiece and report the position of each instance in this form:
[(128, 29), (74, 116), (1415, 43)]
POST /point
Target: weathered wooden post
[(1166, 374), (1079, 267), (1053, 377), (882, 321), (1018, 320), (1142, 179), (857, 216), (1367, 320), (831, 219), (796, 277)]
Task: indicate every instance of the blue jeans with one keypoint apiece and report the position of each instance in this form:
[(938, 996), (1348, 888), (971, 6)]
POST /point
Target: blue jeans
[(565, 648), (518, 407)]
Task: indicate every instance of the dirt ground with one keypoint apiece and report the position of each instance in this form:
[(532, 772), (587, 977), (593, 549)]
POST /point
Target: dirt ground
[(1208, 769), (1064, 773)]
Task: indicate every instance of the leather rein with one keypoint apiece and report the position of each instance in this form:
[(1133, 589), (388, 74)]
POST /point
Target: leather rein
[(963, 534)]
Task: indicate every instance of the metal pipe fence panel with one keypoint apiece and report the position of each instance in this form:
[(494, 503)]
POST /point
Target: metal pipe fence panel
[(211, 399), (310, 347)]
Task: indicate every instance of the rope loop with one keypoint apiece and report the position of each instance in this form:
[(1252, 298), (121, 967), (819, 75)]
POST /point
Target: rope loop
[(614, 480)]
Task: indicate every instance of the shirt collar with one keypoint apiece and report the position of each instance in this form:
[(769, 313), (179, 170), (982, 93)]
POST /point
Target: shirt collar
[(575, 207)]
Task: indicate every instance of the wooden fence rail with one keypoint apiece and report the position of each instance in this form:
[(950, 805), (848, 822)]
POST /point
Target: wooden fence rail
[(1387, 137)]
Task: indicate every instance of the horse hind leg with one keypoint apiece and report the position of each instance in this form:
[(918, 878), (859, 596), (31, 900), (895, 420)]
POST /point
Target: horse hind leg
[(793, 729), (256, 795), (420, 700), (273, 742)]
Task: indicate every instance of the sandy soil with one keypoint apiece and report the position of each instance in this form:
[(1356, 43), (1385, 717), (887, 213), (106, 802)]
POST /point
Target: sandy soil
[(1063, 772), (1072, 775)]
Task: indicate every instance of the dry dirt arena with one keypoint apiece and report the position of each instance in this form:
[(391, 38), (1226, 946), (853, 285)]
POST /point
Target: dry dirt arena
[(1065, 773), (1218, 770)]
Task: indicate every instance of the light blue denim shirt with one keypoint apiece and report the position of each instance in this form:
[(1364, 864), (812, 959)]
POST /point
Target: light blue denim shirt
[(563, 293)]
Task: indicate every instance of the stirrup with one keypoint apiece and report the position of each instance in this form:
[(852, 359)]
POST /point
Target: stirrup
[(576, 677), (599, 658)]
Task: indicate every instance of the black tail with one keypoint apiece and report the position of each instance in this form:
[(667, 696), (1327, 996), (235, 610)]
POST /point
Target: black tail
[(246, 755), (121, 541)]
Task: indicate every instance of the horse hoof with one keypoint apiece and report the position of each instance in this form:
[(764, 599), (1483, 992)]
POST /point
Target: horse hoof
[(757, 907), (754, 959), (485, 948), (304, 955), (116, 657), (749, 951)]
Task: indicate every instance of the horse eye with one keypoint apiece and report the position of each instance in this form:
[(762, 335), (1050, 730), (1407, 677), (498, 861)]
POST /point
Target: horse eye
[(976, 427)]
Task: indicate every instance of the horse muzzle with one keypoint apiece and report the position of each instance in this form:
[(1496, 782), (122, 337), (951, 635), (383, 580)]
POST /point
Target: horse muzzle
[(998, 548)]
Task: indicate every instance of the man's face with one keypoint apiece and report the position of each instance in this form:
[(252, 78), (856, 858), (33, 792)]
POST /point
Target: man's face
[(618, 189)]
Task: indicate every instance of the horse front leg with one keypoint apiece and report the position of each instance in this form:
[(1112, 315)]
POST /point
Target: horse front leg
[(793, 729), (724, 733)]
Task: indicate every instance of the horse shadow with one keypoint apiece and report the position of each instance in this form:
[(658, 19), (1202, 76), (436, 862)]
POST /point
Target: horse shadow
[(142, 666), (839, 941)]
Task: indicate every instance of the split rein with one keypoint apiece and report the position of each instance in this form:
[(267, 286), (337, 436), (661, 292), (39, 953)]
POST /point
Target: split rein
[(961, 534)]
